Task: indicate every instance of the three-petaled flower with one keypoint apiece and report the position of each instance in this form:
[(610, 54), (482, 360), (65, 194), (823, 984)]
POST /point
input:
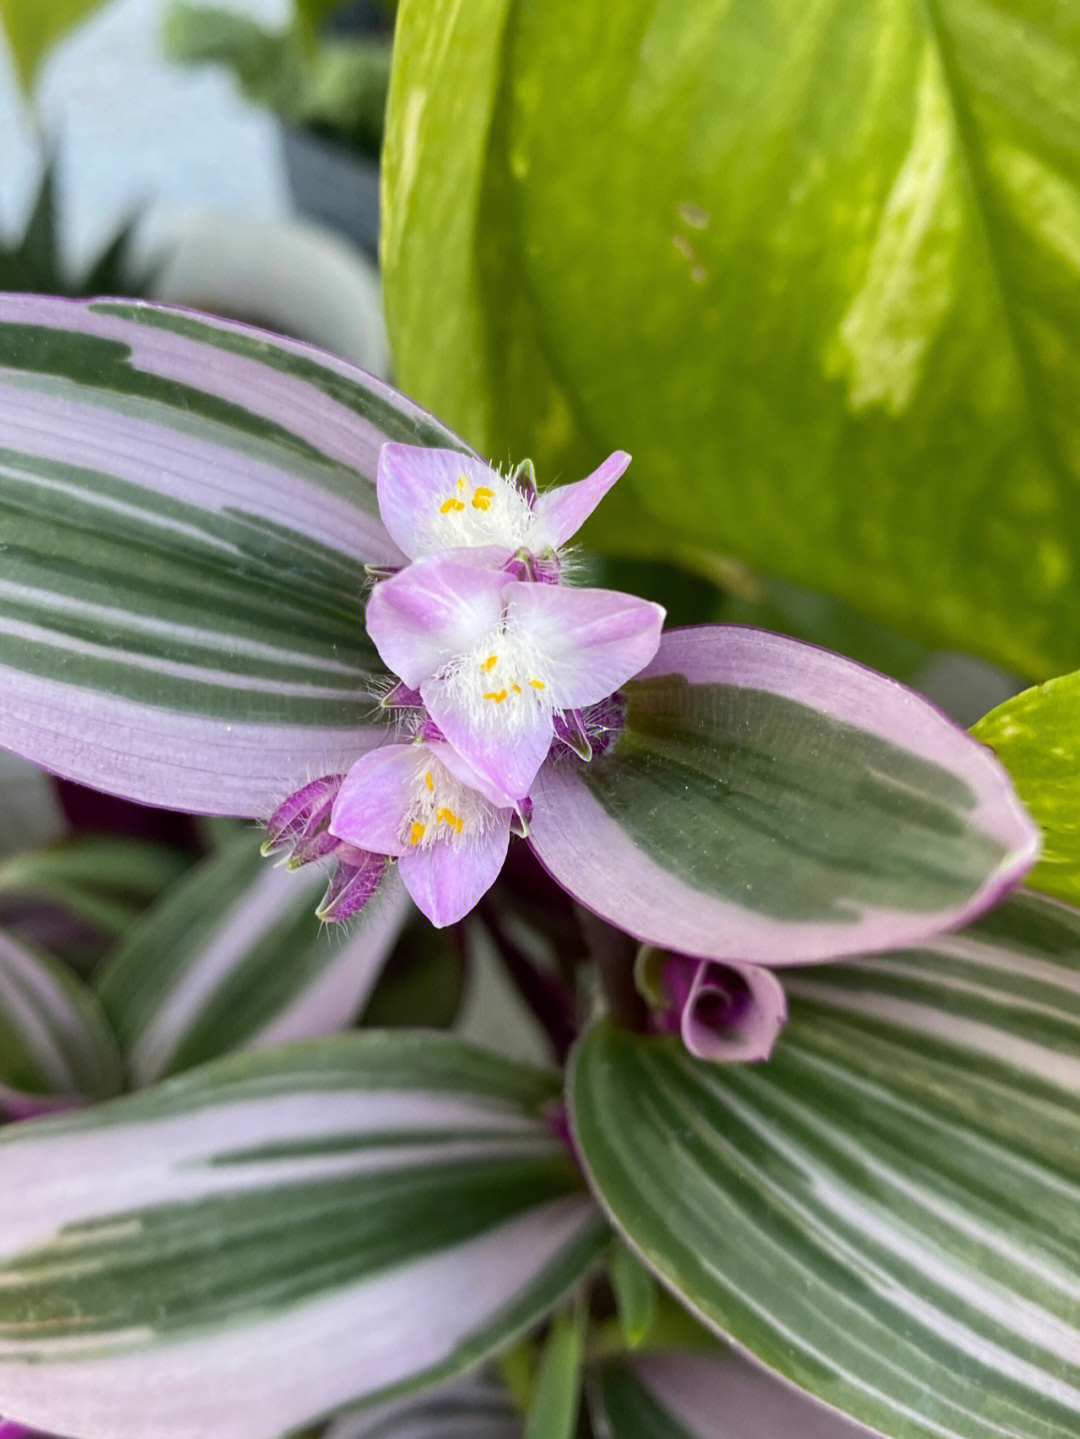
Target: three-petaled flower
[(494, 658), (493, 667), (437, 500)]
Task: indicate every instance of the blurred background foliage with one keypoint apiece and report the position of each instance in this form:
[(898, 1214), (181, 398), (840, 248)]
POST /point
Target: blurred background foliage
[(814, 266)]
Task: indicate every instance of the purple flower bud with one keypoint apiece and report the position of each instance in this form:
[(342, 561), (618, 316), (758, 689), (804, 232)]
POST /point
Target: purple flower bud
[(354, 881), (726, 1013), (300, 817)]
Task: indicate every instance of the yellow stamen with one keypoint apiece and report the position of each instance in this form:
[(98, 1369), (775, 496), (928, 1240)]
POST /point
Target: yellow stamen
[(490, 662), (516, 689), (449, 817), (482, 497), (416, 832), (461, 482), (429, 781), (450, 504), (497, 695), (538, 684)]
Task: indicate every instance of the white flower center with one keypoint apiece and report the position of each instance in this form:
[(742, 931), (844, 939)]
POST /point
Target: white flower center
[(442, 808), (494, 513), (502, 681)]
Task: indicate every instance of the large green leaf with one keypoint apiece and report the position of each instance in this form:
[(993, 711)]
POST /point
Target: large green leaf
[(815, 266), (1036, 736), (266, 1240), (186, 509), (887, 1213)]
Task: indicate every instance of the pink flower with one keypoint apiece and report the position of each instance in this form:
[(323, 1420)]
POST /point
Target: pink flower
[(495, 659), (436, 500), (421, 804)]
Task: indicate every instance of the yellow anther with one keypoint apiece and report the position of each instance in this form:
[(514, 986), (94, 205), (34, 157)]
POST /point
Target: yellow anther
[(516, 689), (482, 498), (461, 482), (449, 817), (490, 662), (497, 695), (429, 781), (450, 504), (416, 832), (538, 684)]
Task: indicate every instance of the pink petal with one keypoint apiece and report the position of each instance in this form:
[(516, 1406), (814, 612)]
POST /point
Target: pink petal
[(462, 769), (447, 879), (411, 484), (596, 639), (374, 800), (562, 511), (431, 612), (506, 757)]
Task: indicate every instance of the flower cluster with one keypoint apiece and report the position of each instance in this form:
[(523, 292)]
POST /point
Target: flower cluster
[(497, 660)]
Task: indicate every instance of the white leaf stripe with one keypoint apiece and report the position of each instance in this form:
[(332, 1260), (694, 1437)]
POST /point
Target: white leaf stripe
[(890, 1209), (269, 1226), (477, 1407), (234, 957), (55, 1023), (183, 761)]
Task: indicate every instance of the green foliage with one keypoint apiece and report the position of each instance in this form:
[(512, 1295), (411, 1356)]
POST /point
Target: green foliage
[(33, 264), (33, 27), (1036, 736), (815, 267), (334, 84)]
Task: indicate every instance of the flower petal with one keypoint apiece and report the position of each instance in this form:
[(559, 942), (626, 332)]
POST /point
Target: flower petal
[(373, 802), (506, 757), (594, 640), (733, 1013), (447, 879), (412, 483), (431, 612), (562, 511)]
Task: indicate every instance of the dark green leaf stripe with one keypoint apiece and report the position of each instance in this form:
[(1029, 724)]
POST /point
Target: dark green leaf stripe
[(888, 1212), (791, 796), (375, 403), (268, 1223), (234, 957), (186, 510)]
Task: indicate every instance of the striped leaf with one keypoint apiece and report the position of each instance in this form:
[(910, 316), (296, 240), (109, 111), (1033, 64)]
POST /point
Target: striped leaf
[(186, 508), (234, 958), (707, 1396), (477, 1407), (887, 1213), (55, 1043), (769, 801), (76, 898), (260, 1243)]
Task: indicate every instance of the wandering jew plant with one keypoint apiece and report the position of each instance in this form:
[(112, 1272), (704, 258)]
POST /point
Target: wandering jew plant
[(241, 579)]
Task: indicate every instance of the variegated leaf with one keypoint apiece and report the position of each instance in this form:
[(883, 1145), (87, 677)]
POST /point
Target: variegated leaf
[(56, 1047), (887, 1213), (262, 1242), (186, 509), (772, 802), (708, 1396), (234, 958)]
